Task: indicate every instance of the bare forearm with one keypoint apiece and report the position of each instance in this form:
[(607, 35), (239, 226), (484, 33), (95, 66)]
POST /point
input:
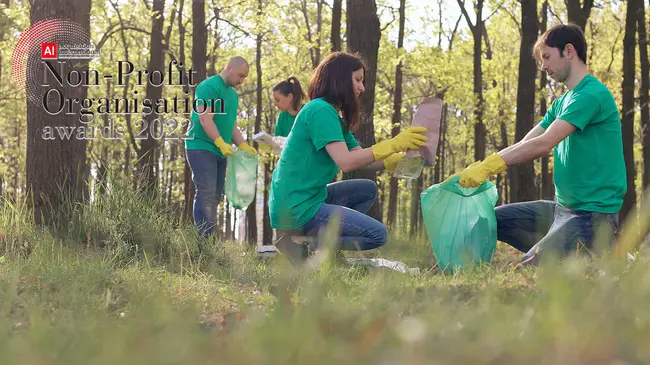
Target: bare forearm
[(237, 138), (359, 158), (375, 166), (525, 151), (208, 126)]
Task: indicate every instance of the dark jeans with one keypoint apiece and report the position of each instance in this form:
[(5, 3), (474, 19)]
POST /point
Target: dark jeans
[(533, 227), (208, 175), (350, 199)]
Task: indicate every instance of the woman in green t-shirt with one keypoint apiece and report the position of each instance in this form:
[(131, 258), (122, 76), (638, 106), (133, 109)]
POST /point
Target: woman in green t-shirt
[(289, 98), (301, 199)]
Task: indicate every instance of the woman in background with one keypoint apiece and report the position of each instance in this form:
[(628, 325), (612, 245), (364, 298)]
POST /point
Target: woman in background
[(289, 98)]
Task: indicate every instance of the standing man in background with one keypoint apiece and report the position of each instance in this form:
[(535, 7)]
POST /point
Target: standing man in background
[(211, 137)]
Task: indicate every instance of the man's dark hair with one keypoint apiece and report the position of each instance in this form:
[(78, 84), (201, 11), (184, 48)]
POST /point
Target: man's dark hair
[(561, 35)]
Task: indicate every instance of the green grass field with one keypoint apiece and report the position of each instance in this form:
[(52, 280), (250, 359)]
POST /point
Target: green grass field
[(121, 284)]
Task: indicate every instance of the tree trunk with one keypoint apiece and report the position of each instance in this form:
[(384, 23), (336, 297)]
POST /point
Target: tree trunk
[(251, 212), (336, 25), (147, 153), (55, 166), (102, 167), (363, 37), (523, 175), (477, 33), (416, 189), (397, 113), (547, 188), (644, 98), (627, 120), (579, 13), (199, 59)]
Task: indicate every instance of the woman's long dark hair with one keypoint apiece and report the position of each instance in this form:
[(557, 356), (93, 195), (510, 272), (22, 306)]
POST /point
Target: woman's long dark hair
[(332, 81), (292, 86)]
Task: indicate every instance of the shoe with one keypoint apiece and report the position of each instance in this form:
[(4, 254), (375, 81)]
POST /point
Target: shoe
[(528, 261), (297, 253)]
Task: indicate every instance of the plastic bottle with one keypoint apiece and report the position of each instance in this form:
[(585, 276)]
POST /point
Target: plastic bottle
[(409, 167)]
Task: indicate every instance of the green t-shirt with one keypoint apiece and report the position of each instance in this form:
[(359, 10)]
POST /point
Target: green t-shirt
[(284, 124), (299, 183), (213, 91), (589, 169)]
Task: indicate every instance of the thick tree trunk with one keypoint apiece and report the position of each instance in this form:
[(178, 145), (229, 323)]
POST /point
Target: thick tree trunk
[(397, 114), (627, 120), (547, 188), (199, 59), (251, 212), (147, 153), (644, 98), (336, 25), (55, 167), (363, 37), (523, 176), (579, 13)]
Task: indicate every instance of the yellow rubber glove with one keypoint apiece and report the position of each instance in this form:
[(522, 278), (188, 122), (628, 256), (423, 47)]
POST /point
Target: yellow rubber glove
[(475, 176), (245, 147), (409, 139), (458, 173), (390, 163), (224, 147)]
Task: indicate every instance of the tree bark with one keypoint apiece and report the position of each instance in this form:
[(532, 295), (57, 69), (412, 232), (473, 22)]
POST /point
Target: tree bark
[(251, 212), (363, 37), (55, 167), (523, 181), (397, 113), (627, 120), (478, 31), (579, 13), (547, 188), (336, 25), (199, 59), (644, 98), (147, 153)]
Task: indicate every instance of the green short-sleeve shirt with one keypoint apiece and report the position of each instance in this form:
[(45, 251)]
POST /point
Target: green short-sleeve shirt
[(589, 169), (284, 124), (299, 183), (213, 91)]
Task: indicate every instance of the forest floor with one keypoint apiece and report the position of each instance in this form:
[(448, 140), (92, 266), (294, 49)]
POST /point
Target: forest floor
[(123, 285)]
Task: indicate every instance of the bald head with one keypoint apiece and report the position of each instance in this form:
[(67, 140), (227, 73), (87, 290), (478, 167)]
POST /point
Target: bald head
[(237, 61), (236, 71)]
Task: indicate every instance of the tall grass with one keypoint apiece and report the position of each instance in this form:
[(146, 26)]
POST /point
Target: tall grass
[(127, 284)]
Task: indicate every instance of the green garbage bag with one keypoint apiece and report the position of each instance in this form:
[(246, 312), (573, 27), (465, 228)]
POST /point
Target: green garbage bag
[(241, 179), (460, 223)]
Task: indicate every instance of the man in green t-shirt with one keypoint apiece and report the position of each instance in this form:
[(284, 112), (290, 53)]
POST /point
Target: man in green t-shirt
[(212, 132), (583, 128)]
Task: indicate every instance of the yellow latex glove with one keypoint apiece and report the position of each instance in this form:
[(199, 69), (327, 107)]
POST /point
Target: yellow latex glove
[(475, 176), (408, 139), (390, 163), (245, 147), (224, 147), (458, 173)]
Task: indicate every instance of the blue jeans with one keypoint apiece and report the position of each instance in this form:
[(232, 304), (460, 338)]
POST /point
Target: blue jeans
[(350, 199), (208, 175), (542, 225)]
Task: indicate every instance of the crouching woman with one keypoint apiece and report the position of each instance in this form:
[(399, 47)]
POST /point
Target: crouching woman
[(302, 200)]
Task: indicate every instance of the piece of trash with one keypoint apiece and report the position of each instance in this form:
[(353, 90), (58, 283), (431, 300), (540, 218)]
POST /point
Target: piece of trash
[(266, 251), (394, 265)]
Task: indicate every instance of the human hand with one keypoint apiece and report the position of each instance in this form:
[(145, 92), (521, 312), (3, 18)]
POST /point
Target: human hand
[(245, 147), (224, 147), (408, 139)]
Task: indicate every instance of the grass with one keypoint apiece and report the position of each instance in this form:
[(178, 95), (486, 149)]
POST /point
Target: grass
[(126, 284)]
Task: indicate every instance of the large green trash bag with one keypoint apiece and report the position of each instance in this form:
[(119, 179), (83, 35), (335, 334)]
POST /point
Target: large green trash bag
[(241, 179), (461, 223)]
